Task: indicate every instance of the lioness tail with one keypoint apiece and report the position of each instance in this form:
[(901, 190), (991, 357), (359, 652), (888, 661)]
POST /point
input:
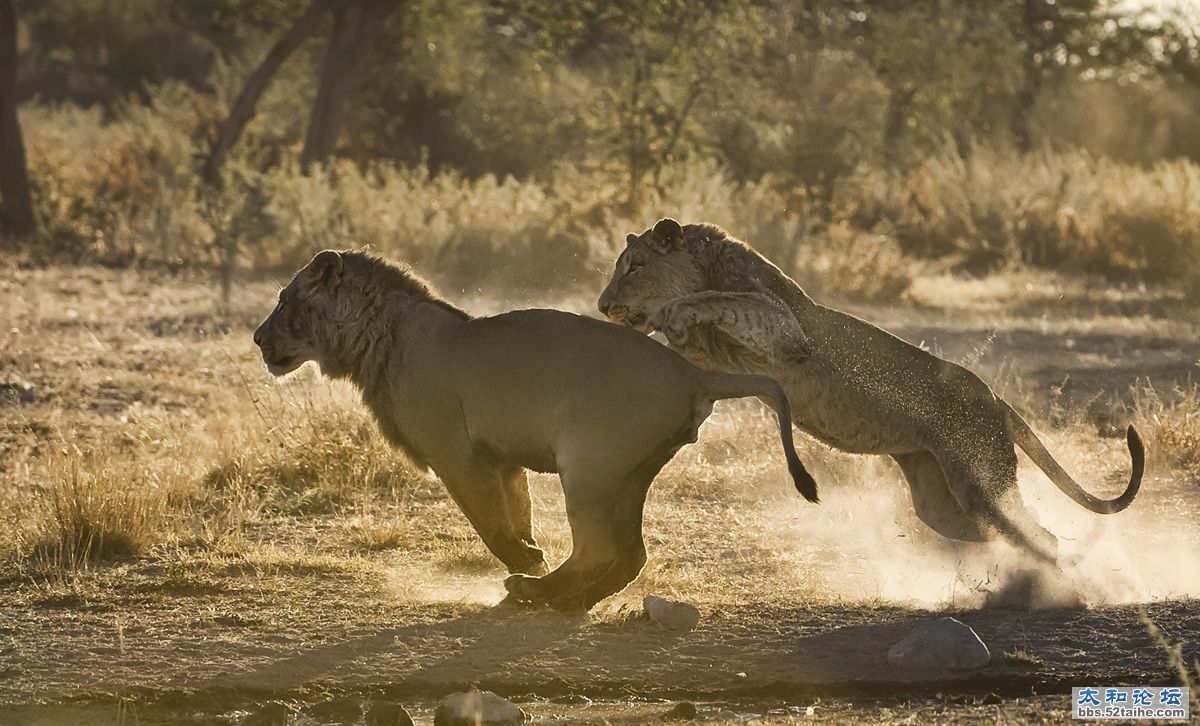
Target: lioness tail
[(719, 386), (1032, 445)]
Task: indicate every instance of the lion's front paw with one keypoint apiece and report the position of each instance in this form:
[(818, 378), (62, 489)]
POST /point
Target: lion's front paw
[(538, 569), (523, 588)]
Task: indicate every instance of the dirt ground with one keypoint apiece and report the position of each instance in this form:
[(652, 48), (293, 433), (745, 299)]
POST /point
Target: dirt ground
[(257, 583)]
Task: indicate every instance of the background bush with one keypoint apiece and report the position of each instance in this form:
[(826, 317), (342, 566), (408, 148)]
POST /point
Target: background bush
[(515, 142)]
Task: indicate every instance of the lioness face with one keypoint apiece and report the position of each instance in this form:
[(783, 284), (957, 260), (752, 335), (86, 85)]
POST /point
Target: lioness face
[(292, 334), (655, 267)]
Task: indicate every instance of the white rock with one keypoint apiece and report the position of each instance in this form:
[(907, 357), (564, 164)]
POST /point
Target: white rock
[(477, 708), (942, 643), (670, 614)]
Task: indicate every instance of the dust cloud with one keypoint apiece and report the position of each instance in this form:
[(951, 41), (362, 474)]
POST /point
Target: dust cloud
[(416, 583), (866, 544)]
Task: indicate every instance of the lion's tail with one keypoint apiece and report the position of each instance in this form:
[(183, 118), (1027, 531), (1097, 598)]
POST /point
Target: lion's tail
[(717, 386), (1032, 445)]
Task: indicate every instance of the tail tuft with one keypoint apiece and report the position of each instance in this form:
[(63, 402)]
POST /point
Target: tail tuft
[(805, 484), (726, 385)]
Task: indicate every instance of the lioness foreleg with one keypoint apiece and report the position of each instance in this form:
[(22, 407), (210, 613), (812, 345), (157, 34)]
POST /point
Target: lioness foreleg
[(758, 323)]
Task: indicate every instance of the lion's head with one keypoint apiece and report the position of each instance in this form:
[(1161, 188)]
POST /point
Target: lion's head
[(657, 265), (304, 321)]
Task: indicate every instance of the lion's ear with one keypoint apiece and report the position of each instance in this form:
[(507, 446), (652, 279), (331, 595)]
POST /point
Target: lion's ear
[(326, 268), (630, 239), (666, 235)]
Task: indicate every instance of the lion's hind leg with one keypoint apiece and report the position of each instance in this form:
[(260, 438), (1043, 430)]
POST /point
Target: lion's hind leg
[(594, 551), (607, 549)]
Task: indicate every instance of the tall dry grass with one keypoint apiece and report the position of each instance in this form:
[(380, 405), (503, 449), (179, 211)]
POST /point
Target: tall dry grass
[(1068, 210), (94, 508), (1170, 421)]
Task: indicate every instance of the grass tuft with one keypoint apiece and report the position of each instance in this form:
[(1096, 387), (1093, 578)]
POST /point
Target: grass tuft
[(97, 510)]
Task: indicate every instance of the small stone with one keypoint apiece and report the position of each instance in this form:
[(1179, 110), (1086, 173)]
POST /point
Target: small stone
[(670, 614), (945, 643), (477, 708), (682, 711), (387, 713), (270, 714)]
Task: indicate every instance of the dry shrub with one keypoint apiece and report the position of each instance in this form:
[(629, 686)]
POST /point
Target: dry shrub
[(122, 188), (844, 262), (127, 187), (96, 509), (1170, 423), (781, 222), (468, 233), (1151, 222), (1065, 210)]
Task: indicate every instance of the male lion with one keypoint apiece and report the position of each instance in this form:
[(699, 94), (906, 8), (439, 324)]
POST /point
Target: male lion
[(479, 400), (852, 385)]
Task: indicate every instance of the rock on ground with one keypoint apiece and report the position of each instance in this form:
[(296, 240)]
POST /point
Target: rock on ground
[(477, 708), (386, 713), (942, 643), (670, 614), (682, 711)]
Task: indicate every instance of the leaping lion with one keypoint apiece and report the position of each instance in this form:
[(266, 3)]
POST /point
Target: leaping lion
[(851, 384)]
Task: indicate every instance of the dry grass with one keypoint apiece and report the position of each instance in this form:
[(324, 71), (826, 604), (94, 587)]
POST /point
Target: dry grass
[(1170, 421), (96, 510)]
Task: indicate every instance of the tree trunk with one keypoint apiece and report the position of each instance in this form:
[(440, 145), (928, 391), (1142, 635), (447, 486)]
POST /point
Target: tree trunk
[(1021, 125), (896, 121), (337, 77), (16, 204), (635, 143), (243, 107)]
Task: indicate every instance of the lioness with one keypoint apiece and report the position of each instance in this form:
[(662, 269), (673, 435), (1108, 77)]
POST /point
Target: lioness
[(479, 400), (852, 385)]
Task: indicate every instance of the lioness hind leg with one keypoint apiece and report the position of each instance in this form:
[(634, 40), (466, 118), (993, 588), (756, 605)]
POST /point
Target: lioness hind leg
[(985, 486), (933, 502)]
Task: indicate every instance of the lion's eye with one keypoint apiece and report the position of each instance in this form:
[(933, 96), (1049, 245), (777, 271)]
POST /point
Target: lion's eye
[(633, 270)]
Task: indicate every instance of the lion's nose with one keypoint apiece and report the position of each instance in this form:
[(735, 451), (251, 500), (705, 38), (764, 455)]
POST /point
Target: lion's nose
[(258, 337), (604, 305)]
